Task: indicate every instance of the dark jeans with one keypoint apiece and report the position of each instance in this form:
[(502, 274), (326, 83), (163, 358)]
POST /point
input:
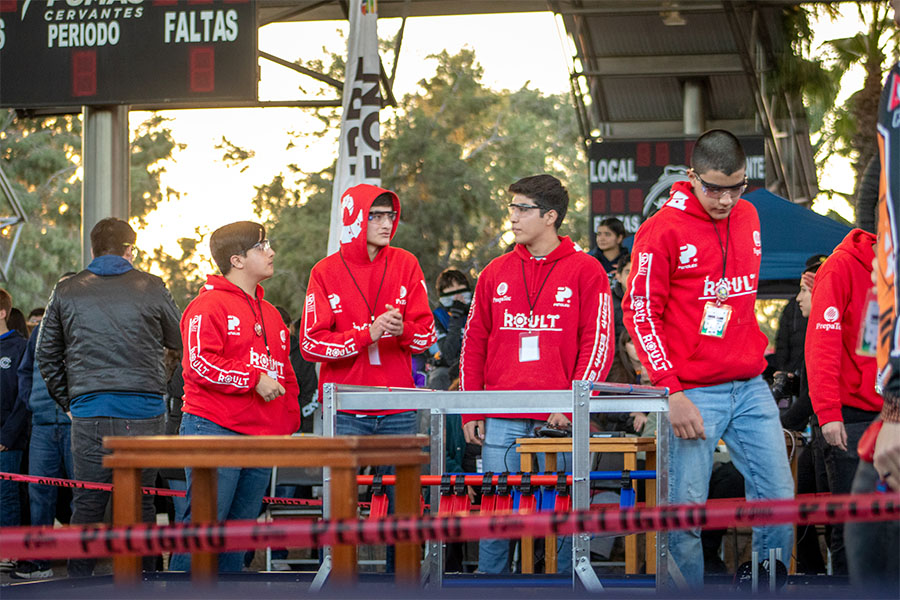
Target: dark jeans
[(873, 549), (10, 514), (841, 468), (88, 453), (49, 455), (399, 424)]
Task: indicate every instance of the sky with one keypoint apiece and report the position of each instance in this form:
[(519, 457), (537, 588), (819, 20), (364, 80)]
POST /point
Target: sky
[(214, 193)]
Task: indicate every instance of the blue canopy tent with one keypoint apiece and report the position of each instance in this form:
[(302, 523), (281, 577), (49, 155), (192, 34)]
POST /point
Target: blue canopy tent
[(790, 235)]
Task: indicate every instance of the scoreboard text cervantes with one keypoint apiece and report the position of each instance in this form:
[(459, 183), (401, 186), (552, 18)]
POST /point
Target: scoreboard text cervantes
[(69, 53)]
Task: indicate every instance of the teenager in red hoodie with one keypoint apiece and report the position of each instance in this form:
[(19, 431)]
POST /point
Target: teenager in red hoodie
[(541, 318), (689, 308), (366, 310), (841, 382), (238, 378)]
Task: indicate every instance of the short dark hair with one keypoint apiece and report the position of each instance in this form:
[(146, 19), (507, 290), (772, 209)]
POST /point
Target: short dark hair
[(5, 301), (814, 262), (234, 239), (547, 191), (385, 200), (718, 150), (614, 224), (624, 260), (451, 277), (37, 312), (111, 236)]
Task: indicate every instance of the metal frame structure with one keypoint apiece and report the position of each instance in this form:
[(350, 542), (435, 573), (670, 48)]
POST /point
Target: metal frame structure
[(584, 398), (16, 218)]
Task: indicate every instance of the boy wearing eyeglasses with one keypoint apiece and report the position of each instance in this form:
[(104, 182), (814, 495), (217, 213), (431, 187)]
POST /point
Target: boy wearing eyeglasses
[(366, 311), (689, 306), (238, 378), (541, 318)]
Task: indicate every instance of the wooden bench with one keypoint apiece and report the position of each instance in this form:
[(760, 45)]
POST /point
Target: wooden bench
[(204, 454), (628, 447)]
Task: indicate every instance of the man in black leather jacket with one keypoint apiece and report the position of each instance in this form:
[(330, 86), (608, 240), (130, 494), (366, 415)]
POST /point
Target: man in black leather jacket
[(100, 352)]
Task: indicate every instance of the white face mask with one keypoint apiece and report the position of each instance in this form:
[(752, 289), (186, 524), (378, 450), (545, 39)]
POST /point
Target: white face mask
[(447, 300)]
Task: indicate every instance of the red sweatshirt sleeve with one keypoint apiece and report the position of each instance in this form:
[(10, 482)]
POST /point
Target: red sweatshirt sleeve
[(643, 307), (474, 347), (824, 343), (418, 322), (595, 328), (319, 342), (208, 364)]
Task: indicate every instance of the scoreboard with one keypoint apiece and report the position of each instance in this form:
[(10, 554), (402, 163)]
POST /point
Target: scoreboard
[(70, 53)]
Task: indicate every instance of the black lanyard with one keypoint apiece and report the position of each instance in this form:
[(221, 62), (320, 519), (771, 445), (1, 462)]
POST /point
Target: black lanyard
[(262, 322), (724, 248), (531, 304), (378, 293)]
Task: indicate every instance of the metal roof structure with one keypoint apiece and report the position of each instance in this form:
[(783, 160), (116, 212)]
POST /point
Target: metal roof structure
[(646, 69)]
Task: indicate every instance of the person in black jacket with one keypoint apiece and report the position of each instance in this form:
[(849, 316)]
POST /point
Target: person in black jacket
[(100, 351)]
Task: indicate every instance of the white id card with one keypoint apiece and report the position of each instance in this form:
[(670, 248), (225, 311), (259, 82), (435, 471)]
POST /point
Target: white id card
[(374, 357), (867, 341), (273, 374), (715, 319), (529, 347)]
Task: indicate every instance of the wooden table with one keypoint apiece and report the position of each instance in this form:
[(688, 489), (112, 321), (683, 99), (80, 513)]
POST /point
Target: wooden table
[(627, 446), (204, 454)]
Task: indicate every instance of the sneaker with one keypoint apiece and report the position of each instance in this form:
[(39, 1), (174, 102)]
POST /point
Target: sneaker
[(32, 574), (7, 564)]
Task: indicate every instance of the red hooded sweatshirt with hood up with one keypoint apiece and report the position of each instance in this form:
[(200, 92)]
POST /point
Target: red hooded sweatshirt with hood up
[(838, 376), (563, 298), (676, 263), (347, 290), (224, 357)]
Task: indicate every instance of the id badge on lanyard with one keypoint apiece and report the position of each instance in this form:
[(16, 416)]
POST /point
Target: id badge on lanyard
[(529, 346), (374, 357), (715, 319)]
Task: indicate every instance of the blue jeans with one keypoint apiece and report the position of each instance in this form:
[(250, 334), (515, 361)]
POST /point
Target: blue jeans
[(745, 416), (498, 455), (404, 423), (239, 496), (49, 455), (11, 514)]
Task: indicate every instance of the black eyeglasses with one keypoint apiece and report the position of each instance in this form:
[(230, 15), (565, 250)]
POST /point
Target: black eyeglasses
[(524, 208), (376, 217), (717, 191)]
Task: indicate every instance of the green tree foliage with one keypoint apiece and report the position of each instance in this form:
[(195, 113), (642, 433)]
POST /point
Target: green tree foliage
[(450, 152), (42, 159)]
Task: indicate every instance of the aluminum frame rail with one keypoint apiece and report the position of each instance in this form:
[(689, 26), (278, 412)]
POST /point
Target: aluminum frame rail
[(584, 398)]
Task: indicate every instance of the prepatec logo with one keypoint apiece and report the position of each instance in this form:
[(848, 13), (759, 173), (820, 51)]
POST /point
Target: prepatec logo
[(688, 257), (501, 296), (831, 315), (335, 301), (234, 325), (563, 296)]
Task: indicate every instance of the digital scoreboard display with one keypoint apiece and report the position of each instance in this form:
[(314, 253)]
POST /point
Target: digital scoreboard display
[(69, 53)]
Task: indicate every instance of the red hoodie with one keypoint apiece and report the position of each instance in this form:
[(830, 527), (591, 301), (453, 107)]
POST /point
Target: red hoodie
[(572, 317), (346, 286), (838, 376), (677, 261), (224, 357)]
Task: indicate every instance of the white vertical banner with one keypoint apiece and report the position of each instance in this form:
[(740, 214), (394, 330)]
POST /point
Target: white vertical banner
[(359, 158)]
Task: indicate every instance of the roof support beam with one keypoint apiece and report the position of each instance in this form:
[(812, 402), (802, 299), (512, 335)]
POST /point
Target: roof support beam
[(664, 66)]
